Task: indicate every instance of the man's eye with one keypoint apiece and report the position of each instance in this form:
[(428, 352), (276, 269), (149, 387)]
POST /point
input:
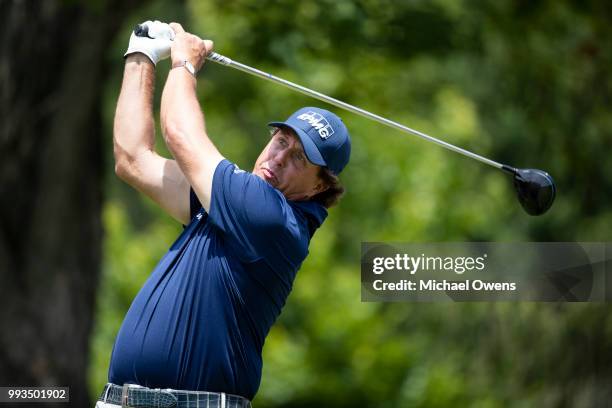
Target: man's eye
[(300, 157)]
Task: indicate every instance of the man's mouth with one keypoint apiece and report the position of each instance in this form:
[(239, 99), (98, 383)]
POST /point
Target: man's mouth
[(269, 175)]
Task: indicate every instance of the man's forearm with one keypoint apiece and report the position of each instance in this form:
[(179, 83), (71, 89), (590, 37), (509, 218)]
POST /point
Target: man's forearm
[(134, 127), (183, 121), (182, 118)]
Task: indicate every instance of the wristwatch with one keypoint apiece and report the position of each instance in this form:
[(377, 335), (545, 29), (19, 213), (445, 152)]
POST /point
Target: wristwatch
[(188, 66)]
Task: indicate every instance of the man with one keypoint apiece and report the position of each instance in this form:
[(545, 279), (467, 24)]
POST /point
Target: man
[(197, 327)]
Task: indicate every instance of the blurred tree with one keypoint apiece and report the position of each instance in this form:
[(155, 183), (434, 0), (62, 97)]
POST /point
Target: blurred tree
[(51, 79)]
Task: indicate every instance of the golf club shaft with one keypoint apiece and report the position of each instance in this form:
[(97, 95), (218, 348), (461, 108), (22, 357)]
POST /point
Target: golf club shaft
[(218, 58)]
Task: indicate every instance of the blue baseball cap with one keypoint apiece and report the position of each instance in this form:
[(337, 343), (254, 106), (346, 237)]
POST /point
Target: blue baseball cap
[(325, 139)]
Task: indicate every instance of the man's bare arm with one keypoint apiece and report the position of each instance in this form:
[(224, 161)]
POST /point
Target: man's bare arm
[(136, 161), (182, 118)]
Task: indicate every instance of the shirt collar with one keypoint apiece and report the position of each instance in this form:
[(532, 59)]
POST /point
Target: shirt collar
[(315, 213)]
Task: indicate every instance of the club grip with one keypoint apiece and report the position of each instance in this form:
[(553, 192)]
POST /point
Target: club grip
[(141, 30)]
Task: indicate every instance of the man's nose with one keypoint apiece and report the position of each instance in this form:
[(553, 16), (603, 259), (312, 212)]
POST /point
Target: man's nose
[(280, 158)]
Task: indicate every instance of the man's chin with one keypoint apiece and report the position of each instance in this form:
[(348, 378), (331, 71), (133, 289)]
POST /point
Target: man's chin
[(258, 174), (264, 178)]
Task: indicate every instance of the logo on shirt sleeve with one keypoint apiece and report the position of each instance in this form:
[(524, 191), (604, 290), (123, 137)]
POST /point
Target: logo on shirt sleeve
[(317, 121)]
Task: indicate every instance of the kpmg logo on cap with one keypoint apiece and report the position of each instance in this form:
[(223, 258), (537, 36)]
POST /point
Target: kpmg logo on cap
[(319, 122)]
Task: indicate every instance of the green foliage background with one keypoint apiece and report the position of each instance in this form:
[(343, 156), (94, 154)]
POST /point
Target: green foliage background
[(526, 83)]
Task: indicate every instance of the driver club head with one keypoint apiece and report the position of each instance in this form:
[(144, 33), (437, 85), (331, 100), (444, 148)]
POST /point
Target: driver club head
[(535, 190)]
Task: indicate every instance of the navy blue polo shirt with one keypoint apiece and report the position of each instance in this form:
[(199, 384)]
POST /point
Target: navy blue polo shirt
[(200, 320)]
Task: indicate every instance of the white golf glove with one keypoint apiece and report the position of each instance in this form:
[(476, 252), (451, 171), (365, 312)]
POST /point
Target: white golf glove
[(157, 45)]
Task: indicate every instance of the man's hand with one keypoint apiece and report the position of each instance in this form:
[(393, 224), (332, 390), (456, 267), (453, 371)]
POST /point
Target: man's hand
[(158, 43), (189, 47)]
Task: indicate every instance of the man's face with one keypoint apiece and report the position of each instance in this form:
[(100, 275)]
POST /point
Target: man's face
[(284, 165)]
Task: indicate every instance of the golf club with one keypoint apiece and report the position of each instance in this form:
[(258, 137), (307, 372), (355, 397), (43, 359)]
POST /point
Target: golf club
[(535, 188)]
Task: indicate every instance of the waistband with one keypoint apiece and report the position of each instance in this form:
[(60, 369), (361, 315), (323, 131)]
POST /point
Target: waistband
[(137, 396)]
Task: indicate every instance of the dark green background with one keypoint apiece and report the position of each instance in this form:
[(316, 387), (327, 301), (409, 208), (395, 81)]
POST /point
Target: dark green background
[(523, 82)]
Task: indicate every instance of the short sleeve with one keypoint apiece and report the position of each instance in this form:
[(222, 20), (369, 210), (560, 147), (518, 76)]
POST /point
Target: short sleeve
[(194, 204), (253, 216)]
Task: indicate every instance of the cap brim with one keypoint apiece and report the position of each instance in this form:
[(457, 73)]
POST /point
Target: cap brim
[(312, 153)]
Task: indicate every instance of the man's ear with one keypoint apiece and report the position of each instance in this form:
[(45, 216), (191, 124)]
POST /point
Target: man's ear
[(320, 187)]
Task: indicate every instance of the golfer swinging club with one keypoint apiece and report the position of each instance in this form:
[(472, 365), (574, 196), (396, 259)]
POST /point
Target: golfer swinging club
[(194, 334)]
